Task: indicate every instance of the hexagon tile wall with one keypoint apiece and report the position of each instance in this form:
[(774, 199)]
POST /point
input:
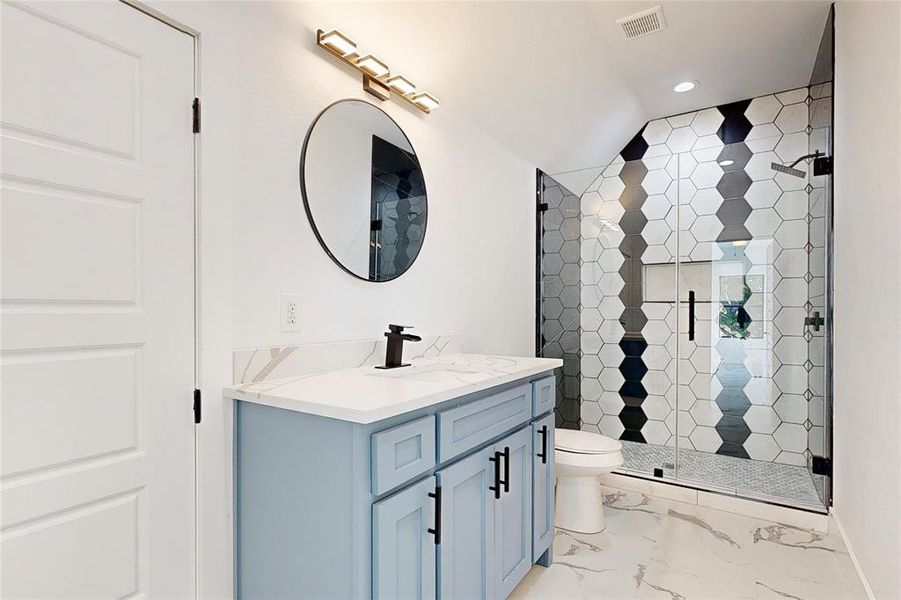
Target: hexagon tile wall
[(699, 186), (560, 293)]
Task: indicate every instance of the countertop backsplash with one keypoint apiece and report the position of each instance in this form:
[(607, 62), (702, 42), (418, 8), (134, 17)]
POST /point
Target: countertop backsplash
[(272, 362)]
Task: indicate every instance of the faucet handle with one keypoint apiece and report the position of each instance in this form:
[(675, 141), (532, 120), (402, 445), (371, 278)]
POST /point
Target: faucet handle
[(398, 328)]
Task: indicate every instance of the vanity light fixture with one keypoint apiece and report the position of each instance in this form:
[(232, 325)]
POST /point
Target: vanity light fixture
[(401, 85), (373, 66), (425, 101), (337, 42), (377, 77), (685, 86)]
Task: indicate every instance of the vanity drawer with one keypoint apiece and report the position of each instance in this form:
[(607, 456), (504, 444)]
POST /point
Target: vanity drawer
[(465, 427), (401, 453), (544, 395)]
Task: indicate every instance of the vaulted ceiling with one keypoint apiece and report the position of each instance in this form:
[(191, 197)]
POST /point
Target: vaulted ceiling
[(558, 83)]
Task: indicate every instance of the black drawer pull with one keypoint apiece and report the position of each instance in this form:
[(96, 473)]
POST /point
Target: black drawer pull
[(496, 488), (437, 530), (506, 480), (543, 454)]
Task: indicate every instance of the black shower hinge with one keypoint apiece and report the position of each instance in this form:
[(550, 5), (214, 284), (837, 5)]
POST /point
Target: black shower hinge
[(195, 108), (821, 465), (197, 405), (542, 207), (375, 225)]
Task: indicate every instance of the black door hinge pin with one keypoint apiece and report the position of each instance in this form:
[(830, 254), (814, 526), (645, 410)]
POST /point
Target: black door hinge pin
[(195, 107), (197, 406)]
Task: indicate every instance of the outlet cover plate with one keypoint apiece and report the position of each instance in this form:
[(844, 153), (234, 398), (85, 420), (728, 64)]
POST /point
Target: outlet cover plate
[(289, 312)]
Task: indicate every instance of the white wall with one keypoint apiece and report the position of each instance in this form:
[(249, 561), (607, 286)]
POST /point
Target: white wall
[(263, 81), (867, 412), (475, 272)]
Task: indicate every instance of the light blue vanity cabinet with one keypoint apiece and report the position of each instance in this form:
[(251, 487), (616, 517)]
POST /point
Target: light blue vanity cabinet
[(403, 542), (543, 486), (452, 500), (467, 524), (513, 513), (486, 544)]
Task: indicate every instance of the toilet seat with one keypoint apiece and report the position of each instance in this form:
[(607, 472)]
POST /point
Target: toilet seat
[(572, 441)]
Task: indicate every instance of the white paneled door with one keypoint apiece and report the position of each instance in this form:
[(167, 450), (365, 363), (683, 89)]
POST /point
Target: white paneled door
[(97, 288)]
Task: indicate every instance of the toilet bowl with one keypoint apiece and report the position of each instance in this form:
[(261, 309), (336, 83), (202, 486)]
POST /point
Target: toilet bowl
[(581, 457)]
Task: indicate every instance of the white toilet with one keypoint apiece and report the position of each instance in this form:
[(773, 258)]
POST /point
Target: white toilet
[(580, 458)]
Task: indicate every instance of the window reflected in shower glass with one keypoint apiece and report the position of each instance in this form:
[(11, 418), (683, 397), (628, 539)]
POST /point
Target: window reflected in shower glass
[(737, 294)]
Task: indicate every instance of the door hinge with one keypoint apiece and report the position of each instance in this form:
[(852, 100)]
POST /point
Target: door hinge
[(542, 207), (197, 406), (195, 107), (821, 465)]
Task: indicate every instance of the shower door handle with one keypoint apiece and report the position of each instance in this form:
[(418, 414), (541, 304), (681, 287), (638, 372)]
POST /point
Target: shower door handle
[(691, 315)]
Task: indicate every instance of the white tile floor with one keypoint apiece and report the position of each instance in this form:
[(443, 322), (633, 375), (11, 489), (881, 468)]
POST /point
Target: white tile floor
[(657, 548)]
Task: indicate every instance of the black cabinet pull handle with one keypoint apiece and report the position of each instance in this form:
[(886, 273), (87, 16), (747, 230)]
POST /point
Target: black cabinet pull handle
[(496, 488), (691, 315), (543, 454), (437, 530), (506, 480)]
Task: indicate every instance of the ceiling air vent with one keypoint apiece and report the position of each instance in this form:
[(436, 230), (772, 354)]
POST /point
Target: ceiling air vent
[(643, 23)]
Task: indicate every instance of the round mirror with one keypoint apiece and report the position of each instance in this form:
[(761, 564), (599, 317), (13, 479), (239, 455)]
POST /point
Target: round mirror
[(363, 190)]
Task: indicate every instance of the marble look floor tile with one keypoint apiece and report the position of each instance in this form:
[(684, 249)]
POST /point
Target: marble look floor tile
[(661, 548)]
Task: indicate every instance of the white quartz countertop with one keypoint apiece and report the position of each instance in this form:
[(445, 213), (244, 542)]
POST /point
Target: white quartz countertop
[(367, 394)]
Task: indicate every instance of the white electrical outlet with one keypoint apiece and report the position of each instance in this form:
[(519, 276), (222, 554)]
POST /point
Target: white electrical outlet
[(289, 314)]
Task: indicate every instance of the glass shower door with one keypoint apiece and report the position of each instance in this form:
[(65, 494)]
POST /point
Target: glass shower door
[(745, 355), (628, 322), (559, 290)]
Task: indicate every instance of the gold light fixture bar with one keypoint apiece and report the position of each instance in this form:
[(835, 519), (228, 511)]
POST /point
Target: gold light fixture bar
[(377, 77)]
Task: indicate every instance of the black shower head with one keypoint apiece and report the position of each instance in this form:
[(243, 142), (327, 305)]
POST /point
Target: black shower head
[(790, 169)]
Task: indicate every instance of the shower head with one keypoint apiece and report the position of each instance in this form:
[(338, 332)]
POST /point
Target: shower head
[(790, 169)]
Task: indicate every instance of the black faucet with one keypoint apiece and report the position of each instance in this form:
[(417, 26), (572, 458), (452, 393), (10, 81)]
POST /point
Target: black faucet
[(395, 354)]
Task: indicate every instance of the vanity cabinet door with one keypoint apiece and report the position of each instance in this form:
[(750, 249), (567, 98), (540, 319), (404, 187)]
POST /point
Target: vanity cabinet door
[(465, 560), (513, 513), (403, 542), (543, 487)]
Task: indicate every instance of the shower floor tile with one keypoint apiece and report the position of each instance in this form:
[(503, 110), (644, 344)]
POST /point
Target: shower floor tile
[(792, 484)]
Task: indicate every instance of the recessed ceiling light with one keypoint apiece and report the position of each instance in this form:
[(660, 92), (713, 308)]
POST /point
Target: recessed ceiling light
[(685, 86), (726, 163)]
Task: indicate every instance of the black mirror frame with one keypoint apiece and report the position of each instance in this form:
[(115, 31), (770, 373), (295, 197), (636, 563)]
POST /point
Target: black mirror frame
[(306, 202)]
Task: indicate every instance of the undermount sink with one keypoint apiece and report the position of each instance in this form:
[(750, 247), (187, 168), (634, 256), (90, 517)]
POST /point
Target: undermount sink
[(425, 372)]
